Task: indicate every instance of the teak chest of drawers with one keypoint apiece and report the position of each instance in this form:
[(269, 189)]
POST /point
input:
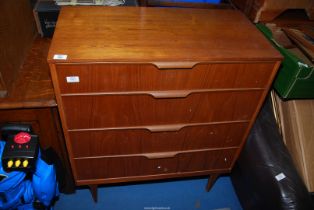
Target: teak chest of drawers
[(153, 93)]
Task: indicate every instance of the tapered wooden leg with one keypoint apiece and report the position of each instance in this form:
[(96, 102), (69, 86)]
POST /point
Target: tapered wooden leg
[(211, 181), (93, 191)]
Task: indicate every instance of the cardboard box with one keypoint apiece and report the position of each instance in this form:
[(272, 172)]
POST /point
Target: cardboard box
[(295, 78), (296, 119)]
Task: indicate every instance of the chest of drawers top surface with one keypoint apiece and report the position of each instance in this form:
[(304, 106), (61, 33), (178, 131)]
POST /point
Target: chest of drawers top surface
[(162, 36)]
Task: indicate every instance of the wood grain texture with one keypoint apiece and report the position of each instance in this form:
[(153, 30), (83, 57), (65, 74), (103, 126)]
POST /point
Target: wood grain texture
[(165, 100), (133, 77), (141, 110), (32, 86), (132, 141), (163, 36), (112, 167), (17, 30)]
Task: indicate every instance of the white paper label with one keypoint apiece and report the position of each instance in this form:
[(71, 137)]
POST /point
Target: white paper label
[(280, 177), (73, 79), (60, 57)]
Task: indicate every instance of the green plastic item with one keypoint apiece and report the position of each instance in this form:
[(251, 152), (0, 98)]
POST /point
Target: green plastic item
[(295, 79)]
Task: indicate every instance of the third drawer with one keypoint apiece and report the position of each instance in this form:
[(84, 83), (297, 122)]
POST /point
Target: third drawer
[(136, 141)]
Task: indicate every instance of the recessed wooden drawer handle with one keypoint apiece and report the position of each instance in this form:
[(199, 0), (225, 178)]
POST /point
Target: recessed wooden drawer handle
[(161, 155), (170, 94), (165, 128), (174, 65)]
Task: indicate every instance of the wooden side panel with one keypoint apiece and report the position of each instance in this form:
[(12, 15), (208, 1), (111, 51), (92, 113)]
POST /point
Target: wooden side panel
[(113, 167), (136, 110), (17, 30), (135, 77), (119, 142)]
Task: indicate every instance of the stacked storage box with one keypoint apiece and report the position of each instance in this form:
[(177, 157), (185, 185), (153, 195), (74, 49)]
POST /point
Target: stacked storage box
[(297, 125), (295, 79), (294, 104)]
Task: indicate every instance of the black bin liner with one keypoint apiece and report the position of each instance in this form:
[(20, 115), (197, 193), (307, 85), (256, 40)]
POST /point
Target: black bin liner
[(264, 176)]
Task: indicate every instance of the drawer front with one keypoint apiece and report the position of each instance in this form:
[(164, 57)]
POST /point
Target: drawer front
[(128, 166), (138, 110), (136, 77), (132, 141)]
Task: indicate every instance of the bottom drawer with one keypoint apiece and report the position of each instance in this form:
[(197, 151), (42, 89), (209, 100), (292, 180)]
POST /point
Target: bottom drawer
[(153, 164)]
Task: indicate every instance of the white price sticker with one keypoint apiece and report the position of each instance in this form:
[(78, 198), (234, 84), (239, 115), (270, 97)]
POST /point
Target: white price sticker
[(73, 79), (280, 177), (60, 57)]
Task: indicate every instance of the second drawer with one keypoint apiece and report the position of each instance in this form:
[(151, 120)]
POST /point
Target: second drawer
[(100, 111), (136, 141)]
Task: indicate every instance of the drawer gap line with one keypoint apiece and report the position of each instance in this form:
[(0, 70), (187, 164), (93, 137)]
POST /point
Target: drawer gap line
[(155, 94), (163, 154), (157, 128)]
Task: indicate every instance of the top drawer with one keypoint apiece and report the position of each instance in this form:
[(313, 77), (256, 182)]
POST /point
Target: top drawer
[(147, 77)]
